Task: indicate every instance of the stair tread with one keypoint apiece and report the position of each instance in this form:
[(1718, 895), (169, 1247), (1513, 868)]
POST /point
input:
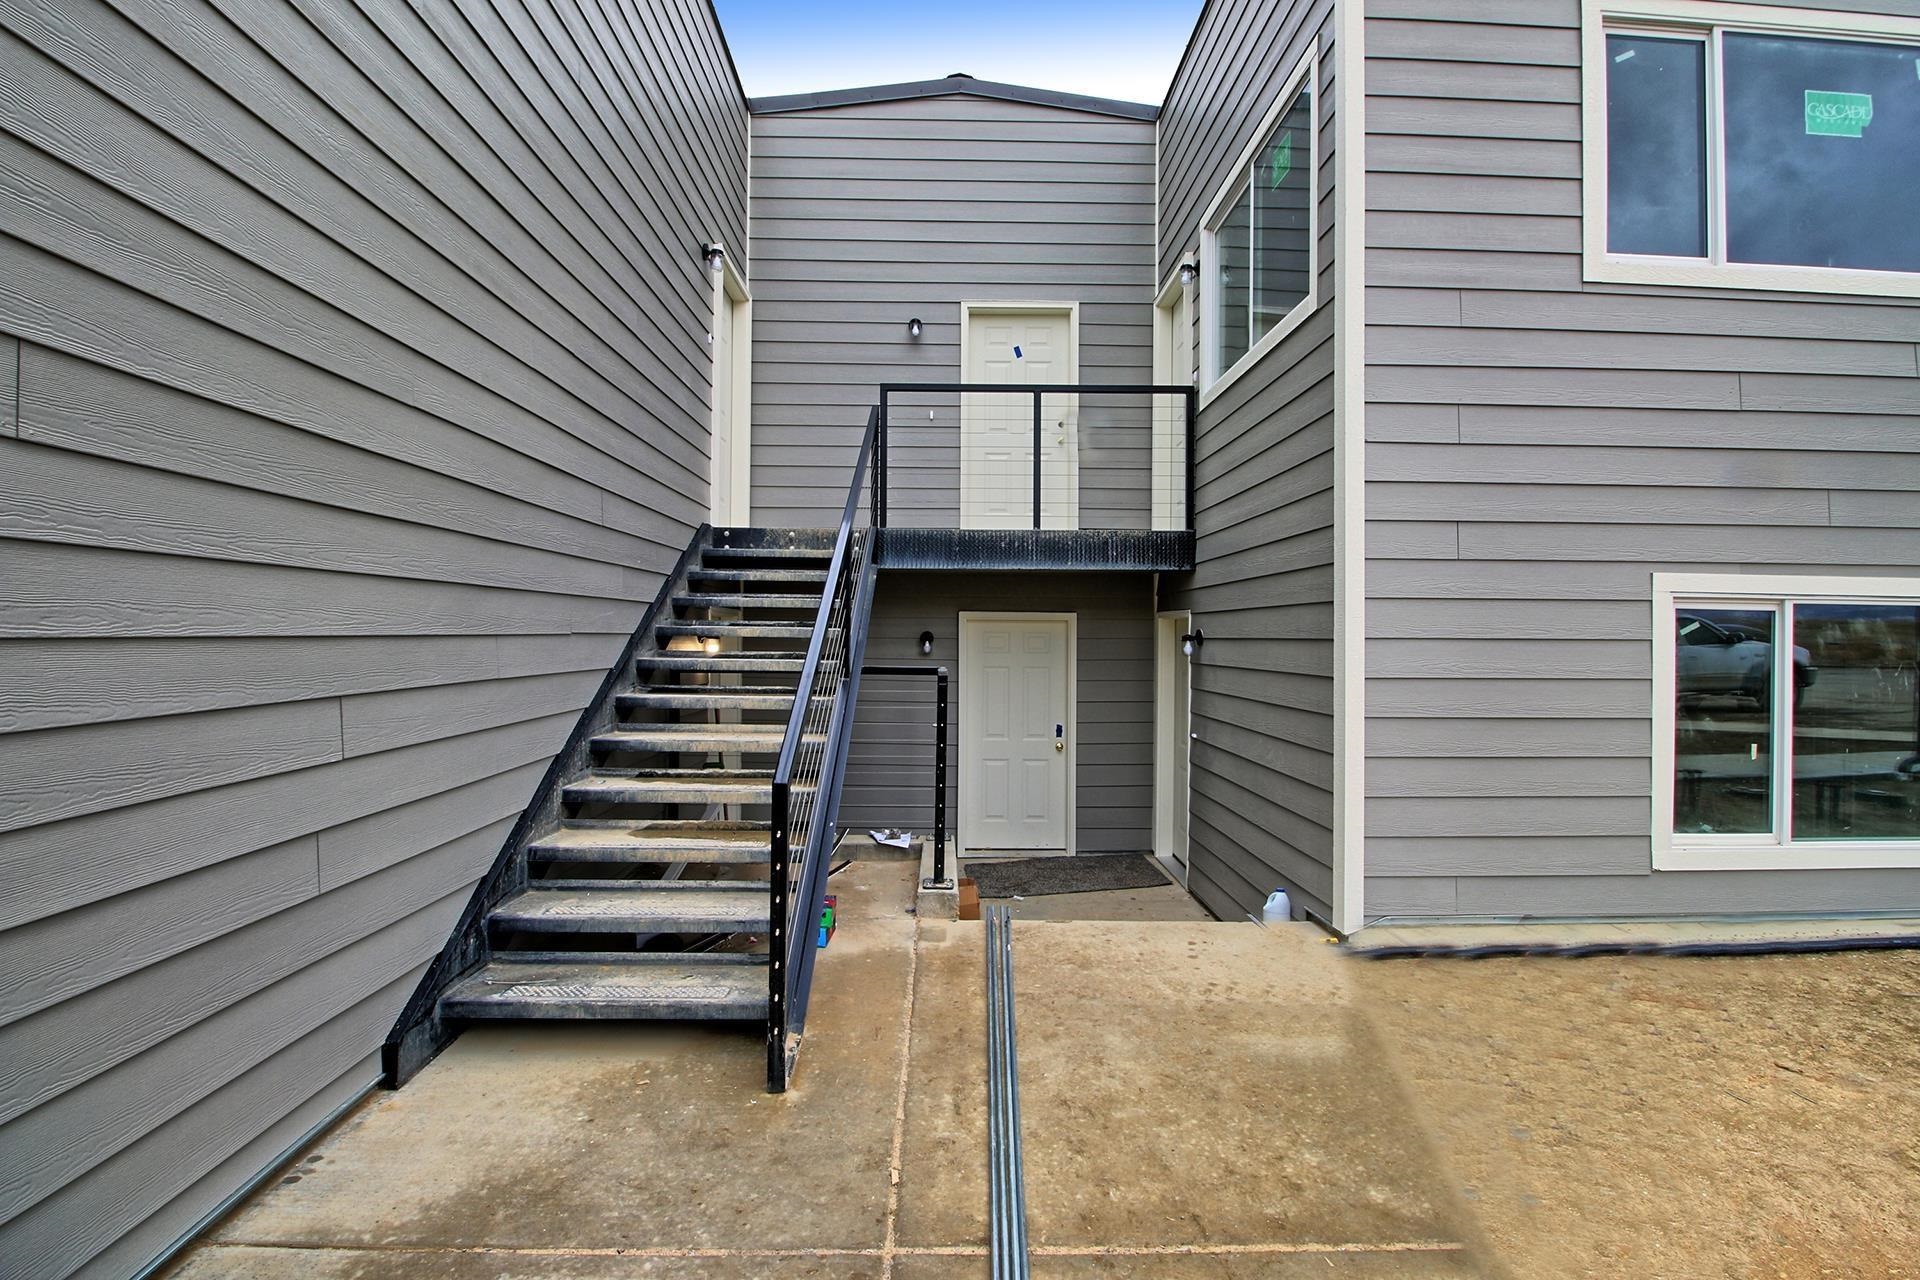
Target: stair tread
[(731, 573), (709, 786), (697, 698), (638, 910), (685, 988), (723, 664), (721, 627), (692, 738), (744, 600), (639, 844), (767, 553)]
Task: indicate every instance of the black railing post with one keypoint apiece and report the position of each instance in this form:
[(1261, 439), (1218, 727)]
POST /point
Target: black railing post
[(879, 512), (1036, 459), (940, 777), (777, 988)]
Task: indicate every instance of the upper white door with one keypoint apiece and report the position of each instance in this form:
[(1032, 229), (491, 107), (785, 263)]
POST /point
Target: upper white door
[(1014, 723), (1018, 348)]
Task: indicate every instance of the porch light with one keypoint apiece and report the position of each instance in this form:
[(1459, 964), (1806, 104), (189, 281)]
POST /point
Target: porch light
[(715, 255), (1190, 643), (1189, 271), (913, 327), (926, 643)]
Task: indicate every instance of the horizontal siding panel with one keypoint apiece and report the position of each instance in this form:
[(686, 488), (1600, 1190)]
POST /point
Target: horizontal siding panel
[(1464, 38), (63, 956), (1415, 77), (1731, 430), (1262, 801), (354, 397), (1481, 349), (89, 408), (1599, 504), (62, 591), (79, 860), (1504, 855), (1577, 437), (63, 773), (1487, 738)]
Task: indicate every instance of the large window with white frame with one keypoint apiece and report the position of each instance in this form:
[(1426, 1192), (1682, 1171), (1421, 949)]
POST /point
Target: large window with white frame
[(1786, 721), (1751, 146), (1259, 244)]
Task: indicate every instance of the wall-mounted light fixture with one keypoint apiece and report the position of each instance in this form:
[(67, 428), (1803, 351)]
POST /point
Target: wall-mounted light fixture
[(1189, 271), (914, 327), (1190, 643), (926, 643), (715, 255)]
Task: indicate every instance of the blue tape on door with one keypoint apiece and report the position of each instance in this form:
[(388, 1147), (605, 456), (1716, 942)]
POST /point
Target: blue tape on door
[(1016, 353)]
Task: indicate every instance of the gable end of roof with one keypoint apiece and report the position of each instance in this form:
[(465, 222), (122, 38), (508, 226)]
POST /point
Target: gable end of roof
[(951, 86)]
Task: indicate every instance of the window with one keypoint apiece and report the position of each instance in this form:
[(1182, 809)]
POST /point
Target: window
[(1723, 152), (1259, 254), (1787, 716)]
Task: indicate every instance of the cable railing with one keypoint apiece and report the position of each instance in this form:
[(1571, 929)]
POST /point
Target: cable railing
[(808, 774), (1047, 456)]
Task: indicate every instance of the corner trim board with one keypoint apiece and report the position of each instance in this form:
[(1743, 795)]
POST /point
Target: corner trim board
[(1349, 468)]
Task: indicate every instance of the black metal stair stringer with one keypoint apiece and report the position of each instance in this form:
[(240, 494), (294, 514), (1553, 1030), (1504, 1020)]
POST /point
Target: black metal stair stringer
[(420, 1032)]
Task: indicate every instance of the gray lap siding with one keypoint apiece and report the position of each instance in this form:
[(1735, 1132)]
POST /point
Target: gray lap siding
[(1538, 446), (353, 398), (1263, 586)]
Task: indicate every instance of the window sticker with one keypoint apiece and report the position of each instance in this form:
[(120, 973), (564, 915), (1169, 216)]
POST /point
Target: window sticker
[(1838, 115), (1281, 162)]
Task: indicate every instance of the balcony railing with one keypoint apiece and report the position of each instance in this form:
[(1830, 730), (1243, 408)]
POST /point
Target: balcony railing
[(1065, 475)]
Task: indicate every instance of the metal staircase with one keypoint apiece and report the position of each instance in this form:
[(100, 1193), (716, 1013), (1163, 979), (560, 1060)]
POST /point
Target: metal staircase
[(672, 863)]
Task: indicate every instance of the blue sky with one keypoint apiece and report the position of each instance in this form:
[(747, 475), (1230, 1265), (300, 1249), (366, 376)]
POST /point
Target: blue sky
[(1109, 48)]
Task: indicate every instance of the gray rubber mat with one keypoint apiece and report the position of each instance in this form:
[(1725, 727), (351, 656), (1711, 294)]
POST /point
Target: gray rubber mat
[(1088, 873)]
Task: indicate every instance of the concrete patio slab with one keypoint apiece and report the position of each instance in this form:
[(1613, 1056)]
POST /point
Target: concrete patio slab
[(1181, 1085), (631, 1136), (1201, 1100)]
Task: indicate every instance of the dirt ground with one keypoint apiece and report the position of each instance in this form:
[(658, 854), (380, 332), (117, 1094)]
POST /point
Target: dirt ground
[(1751, 1117)]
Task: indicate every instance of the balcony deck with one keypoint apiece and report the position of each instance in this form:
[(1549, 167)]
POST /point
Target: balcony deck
[(1131, 550), (1003, 476)]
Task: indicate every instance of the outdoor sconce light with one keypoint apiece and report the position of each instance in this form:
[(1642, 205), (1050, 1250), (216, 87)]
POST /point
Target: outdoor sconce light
[(913, 327), (715, 255), (926, 643), (1189, 271), (1191, 642)]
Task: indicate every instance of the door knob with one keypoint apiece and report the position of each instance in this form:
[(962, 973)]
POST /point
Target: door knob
[(1058, 745)]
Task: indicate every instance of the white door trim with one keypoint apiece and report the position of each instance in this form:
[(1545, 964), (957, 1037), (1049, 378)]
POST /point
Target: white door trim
[(969, 752), (1070, 309), (730, 290), (1171, 735)]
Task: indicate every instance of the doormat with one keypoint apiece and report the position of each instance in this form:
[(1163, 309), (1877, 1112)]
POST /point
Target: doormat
[(1089, 873)]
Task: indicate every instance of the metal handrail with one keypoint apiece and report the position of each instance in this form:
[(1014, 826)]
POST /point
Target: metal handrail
[(1037, 390), (805, 785), (939, 674)]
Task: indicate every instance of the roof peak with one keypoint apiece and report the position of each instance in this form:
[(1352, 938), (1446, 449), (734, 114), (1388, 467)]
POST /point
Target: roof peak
[(957, 83)]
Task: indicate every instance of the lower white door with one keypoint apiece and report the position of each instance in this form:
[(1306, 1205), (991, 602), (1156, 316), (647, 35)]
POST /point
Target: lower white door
[(1013, 349), (1016, 755)]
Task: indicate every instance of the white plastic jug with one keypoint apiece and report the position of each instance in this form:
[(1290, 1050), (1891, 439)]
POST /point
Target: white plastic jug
[(1278, 909)]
